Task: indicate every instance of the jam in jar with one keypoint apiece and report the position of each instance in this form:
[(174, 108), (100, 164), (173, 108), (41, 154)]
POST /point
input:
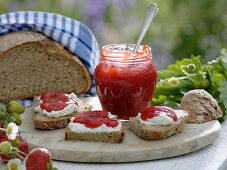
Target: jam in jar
[(125, 81)]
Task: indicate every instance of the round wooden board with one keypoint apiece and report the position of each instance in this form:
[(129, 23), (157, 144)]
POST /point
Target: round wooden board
[(194, 137)]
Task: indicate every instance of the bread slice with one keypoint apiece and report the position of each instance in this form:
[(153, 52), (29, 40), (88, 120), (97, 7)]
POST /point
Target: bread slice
[(32, 64), (47, 123), (109, 137), (158, 132), (201, 106)]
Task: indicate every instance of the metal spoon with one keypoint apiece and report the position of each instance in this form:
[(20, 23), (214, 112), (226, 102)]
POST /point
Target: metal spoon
[(150, 13)]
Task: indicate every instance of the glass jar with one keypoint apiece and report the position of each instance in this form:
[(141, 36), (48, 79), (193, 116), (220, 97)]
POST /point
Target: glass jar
[(125, 81)]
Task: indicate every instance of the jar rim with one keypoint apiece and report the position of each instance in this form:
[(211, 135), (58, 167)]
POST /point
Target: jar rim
[(119, 50)]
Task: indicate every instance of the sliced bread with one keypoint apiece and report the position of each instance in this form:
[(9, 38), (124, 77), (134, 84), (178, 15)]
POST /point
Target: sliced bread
[(148, 132), (47, 123), (32, 64), (109, 137), (98, 126), (201, 106)]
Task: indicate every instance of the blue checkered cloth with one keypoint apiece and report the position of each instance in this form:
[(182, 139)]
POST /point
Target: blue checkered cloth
[(72, 34)]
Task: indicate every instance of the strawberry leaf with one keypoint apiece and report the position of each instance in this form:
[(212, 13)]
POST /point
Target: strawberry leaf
[(15, 143), (54, 168)]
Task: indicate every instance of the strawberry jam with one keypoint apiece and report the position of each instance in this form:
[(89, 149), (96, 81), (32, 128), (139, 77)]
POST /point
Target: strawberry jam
[(55, 101), (94, 119), (53, 106), (156, 111), (125, 81), (54, 97)]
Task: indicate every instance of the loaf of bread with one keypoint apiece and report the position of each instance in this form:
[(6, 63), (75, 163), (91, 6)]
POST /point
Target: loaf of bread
[(32, 64), (201, 106), (148, 132)]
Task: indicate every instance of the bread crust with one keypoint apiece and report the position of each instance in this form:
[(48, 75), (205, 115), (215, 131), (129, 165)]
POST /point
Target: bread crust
[(201, 106), (46, 123), (157, 132), (52, 47), (109, 137)]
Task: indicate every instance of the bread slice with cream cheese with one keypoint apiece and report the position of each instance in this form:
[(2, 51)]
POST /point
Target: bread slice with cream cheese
[(148, 132), (44, 122), (83, 129)]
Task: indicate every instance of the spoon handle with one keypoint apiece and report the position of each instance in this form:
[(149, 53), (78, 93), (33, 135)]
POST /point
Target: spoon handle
[(150, 13)]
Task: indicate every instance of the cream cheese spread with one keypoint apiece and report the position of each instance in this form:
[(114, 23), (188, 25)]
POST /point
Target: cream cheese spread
[(161, 120)]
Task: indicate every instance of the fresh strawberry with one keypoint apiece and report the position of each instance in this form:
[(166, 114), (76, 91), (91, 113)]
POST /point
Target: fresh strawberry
[(5, 158), (39, 159), (2, 133), (21, 144), (23, 147)]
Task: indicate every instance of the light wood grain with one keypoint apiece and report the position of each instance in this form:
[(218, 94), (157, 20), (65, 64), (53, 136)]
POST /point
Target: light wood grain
[(132, 149)]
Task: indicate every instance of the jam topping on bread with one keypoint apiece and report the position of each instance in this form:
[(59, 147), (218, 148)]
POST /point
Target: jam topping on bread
[(53, 106), (100, 126), (54, 97), (156, 111), (58, 104), (94, 119), (55, 101)]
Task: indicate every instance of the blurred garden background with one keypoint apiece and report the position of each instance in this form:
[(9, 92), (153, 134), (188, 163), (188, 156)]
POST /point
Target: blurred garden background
[(180, 29)]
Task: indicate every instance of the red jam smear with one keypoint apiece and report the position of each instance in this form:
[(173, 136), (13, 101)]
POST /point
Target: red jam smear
[(54, 97), (53, 106), (55, 101), (156, 111), (95, 119)]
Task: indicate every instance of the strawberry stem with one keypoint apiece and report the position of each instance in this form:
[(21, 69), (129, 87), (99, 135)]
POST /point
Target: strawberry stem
[(21, 157), (17, 150), (2, 129)]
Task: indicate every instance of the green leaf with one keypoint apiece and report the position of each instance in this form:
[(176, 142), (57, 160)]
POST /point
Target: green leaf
[(11, 119), (5, 123), (198, 81), (167, 74), (184, 62), (159, 101), (218, 78), (223, 95), (184, 90), (223, 61), (15, 143), (164, 101), (172, 104), (53, 168), (165, 88)]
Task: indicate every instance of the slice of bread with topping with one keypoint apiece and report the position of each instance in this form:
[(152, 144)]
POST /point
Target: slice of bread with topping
[(99, 126), (32, 64), (47, 123), (109, 137), (148, 132)]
